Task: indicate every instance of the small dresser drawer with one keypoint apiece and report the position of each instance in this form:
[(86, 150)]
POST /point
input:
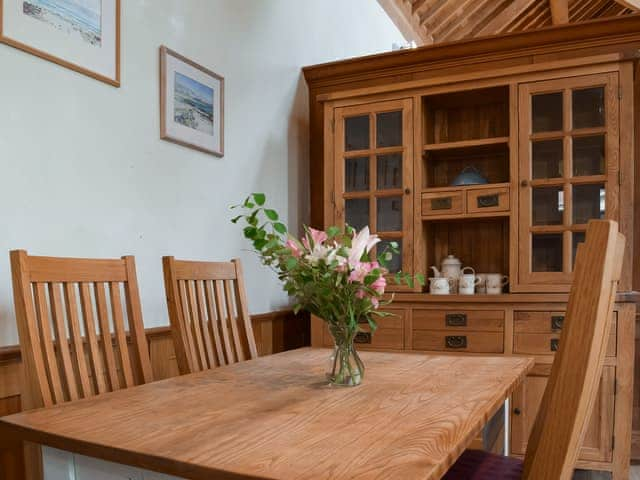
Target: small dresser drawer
[(538, 333), (463, 320), (389, 334), (487, 200), (442, 203), (457, 341)]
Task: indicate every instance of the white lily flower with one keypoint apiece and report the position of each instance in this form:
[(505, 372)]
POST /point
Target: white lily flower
[(362, 242)]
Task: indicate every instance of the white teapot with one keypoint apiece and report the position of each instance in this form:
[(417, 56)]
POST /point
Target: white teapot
[(451, 268)]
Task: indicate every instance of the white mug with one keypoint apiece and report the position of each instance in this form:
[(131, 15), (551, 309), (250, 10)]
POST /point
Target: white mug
[(481, 287), (439, 285), (467, 282), (495, 283)]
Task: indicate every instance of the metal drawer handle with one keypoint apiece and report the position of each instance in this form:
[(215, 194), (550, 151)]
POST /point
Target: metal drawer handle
[(555, 343), (517, 411), (455, 341), (455, 319), (556, 322), (441, 203), (485, 201), (362, 337)]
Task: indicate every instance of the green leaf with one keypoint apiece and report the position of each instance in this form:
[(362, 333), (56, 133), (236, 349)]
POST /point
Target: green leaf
[(235, 219), (250, 232), (259, 243), (333, 231), (259, 198), (420, 279), (271, 214), (291, 263), (280, 227)]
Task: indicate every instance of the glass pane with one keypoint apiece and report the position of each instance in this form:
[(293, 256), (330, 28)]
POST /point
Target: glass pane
[(546, 115), (588, 202), (356, 133), (389, 129), (389, 214), (395, 264), (546, 252), (547, 159), (588, 156), (547, 205), (588, 107), (577, 237), (356, 174), (389, 171), (356, 212)]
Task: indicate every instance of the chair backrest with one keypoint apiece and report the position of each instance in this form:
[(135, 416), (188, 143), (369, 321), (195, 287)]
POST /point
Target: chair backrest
[(208, 312), (575, 376), (72, 317)]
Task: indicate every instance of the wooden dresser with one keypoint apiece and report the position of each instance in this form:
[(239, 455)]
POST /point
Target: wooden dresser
[(549, 120)]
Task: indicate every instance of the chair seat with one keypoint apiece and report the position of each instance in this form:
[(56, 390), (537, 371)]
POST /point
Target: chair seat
[(479, 465)]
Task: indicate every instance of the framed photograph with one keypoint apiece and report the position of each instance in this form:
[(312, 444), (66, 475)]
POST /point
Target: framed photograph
[(191, 104), (83, 35)]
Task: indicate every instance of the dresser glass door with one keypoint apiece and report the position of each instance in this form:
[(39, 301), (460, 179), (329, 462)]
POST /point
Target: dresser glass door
[(373, 155), (568, 173)]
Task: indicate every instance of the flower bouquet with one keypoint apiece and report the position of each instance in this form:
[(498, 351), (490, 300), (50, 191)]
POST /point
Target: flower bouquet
[(333, 274)]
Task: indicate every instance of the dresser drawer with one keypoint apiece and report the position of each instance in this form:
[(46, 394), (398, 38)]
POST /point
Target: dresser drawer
[(442, 203), (538, 333), (457, 341), (488, 200), (389, 334), (459, 320)]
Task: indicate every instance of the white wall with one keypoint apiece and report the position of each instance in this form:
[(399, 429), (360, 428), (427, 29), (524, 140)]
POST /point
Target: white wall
[(82, 169)]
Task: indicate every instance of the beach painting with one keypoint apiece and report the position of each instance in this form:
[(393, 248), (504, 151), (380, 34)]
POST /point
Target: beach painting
[(193, 104), (76, 18)]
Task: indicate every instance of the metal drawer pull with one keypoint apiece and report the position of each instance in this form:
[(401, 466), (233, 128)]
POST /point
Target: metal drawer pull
[(517, 411), (441, 203), (556, 322), (455, 341), (554, 344), (455, 319), (362, 337), (485, 201)]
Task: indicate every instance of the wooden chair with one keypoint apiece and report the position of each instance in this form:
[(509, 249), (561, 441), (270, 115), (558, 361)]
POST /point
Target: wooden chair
[(559, 428), (208, 311), (65, 321)]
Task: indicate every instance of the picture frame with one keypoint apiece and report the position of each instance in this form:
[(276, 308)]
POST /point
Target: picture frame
[(81, 35), (191, 104)]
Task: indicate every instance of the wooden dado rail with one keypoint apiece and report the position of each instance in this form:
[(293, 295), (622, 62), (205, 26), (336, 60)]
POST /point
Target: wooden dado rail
[(274, 332)]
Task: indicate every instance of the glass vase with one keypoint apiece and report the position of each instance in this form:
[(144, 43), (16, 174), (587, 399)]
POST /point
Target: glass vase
[(345, 366)]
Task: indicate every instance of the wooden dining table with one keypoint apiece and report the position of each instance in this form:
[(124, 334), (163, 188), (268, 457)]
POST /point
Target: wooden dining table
[(276, 417)]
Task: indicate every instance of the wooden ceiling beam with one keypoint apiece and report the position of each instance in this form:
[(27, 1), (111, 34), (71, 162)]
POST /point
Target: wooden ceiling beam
[(466, 24), (400, 13), (449, 21), (631, 4), (501, 21), (559, 11)]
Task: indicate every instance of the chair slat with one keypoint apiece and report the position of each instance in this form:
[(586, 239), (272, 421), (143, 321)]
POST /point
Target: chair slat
[(136, 324), (231, 311), (71, 304), (187, 330), (208, 312), (61, 338), (92, 340), (105, 334), (204, 323), (121, 336), (243, 309), (46, 339), (223, 320), (213, 321), (195, 325)]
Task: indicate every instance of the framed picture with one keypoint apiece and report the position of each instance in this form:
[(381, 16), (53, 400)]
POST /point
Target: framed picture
[(83, 35), (191, 104)]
